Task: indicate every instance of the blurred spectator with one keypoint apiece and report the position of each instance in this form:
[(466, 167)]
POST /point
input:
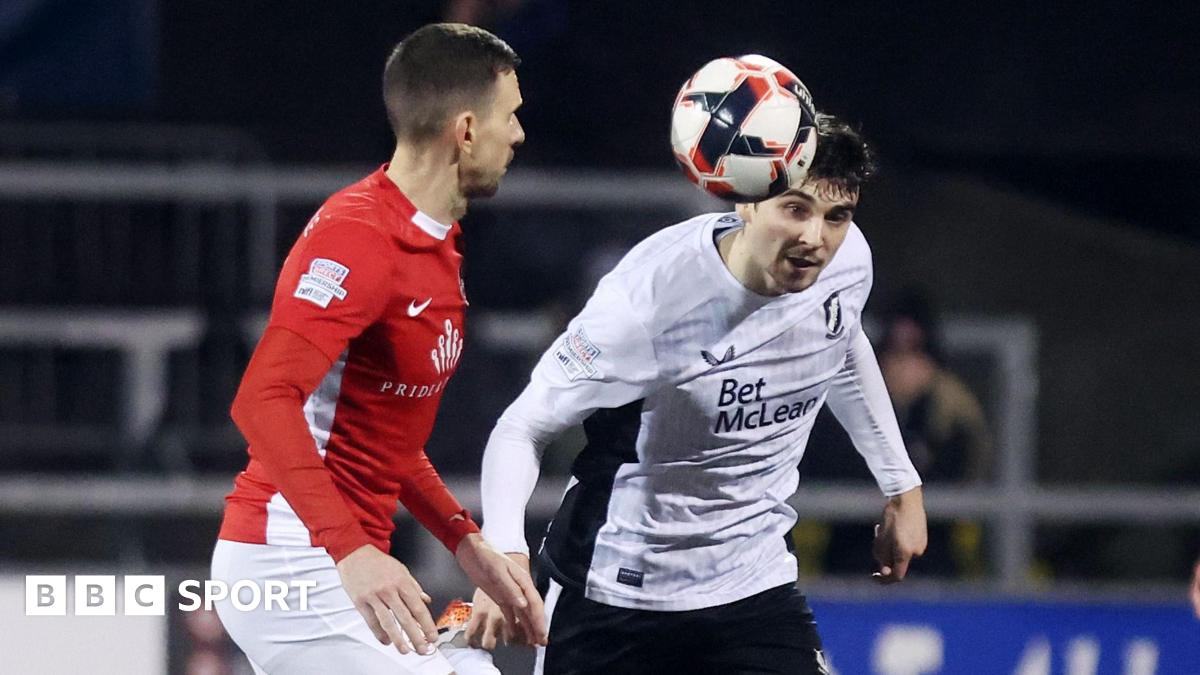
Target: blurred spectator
[(942, 421), (946, 435)]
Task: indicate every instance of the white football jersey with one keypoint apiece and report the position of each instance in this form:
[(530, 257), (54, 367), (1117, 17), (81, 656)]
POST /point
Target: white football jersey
[(697, 397)]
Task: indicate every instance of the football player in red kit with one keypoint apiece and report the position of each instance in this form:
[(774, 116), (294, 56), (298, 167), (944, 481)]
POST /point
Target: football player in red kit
[(340, 396)]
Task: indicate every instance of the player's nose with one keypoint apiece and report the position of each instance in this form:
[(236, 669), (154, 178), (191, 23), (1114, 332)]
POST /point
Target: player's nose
[(810, 233), (519, 136)]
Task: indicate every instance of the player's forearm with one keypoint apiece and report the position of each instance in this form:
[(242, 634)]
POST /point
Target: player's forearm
[(427, 498), (913, 498), (268, 410), (859, 399), (511, 465)]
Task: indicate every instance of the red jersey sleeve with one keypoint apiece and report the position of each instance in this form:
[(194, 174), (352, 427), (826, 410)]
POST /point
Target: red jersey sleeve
[(334, 283), (429, 501), (269, 411)]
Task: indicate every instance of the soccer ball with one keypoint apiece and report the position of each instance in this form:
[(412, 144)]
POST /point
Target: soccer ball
[(744, 128)]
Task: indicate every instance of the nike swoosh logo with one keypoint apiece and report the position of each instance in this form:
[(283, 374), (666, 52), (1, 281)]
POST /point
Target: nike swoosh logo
[(415, 309)]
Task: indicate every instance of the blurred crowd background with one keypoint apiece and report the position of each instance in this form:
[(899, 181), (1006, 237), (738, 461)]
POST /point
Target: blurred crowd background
[(1034, 229)]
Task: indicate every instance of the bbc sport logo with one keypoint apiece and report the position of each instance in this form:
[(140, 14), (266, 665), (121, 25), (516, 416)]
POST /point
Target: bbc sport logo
[(146, 595)]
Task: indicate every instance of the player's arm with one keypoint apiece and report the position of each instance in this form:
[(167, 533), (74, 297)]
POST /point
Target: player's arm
[(268, 410), (605, 359), (428, 499), (859, 399), (334, 288)]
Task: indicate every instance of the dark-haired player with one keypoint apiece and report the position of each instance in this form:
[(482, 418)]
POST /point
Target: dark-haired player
[(366, 329), (697, 369)]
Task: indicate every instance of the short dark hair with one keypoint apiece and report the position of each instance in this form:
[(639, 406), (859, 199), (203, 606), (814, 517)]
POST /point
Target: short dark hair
[(440, 70), (843, 157)]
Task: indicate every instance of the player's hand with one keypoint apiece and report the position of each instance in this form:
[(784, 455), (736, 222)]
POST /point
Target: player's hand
[(488, 627), (900, 537), (507, 583), (390, 599), (1194, 591)]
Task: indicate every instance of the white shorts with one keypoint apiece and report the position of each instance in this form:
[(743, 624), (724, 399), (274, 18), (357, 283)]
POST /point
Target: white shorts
[(330, 637)]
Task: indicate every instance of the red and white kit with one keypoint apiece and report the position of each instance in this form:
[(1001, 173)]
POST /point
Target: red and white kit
[(374, 285), (366, 330)]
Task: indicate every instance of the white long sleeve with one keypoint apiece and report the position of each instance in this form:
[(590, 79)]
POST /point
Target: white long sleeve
[(859, 399), (603, 360), (511, 465)]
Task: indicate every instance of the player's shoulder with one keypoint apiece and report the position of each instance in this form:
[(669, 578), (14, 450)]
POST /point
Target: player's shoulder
[(664, 253), (352, 215), (357, 203), (662, 276)]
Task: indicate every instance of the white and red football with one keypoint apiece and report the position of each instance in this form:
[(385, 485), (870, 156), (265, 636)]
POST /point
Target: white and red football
[(744, 128)]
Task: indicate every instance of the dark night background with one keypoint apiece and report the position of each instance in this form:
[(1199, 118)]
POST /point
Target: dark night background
[(1039, 162), (1090, 104), (1039, 159)]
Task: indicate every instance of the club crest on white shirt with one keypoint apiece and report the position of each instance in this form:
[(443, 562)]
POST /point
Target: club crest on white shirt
[(833, 317)]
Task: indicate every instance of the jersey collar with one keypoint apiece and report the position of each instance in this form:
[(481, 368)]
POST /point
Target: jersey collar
[(398, 200)]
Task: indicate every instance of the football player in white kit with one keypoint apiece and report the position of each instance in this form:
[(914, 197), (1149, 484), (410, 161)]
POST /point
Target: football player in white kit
[(697, 369)]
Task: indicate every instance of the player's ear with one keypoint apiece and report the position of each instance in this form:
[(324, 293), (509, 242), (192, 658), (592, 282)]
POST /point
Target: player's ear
[(464, 130)]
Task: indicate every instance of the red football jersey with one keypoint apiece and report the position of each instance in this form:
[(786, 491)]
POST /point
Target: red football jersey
[(376, 286)]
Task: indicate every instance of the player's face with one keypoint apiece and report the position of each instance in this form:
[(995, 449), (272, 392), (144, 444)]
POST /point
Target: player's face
[(495, 138), (792, 237)]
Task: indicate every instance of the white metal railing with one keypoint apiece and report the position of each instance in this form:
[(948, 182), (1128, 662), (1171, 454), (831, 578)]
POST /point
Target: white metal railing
[(143, 338)]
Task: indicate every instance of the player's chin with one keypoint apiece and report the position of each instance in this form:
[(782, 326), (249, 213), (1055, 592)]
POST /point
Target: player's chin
[(794, 280), (482, 189), (483, 186)]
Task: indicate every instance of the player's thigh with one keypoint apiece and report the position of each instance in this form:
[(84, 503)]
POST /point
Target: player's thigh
[(327, 635), (587, 637), (771, 632)]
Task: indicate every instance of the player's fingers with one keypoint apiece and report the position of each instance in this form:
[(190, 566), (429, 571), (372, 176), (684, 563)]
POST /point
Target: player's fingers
[(411, 627), (508, 612), (507, 632), (518, 634), (387, 621), (900, 568), (527, 635), (420, 613), (513, 594), (532, 617), (880, 546), (475, 628), (425, 598), (488, 640), (369, 615)]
